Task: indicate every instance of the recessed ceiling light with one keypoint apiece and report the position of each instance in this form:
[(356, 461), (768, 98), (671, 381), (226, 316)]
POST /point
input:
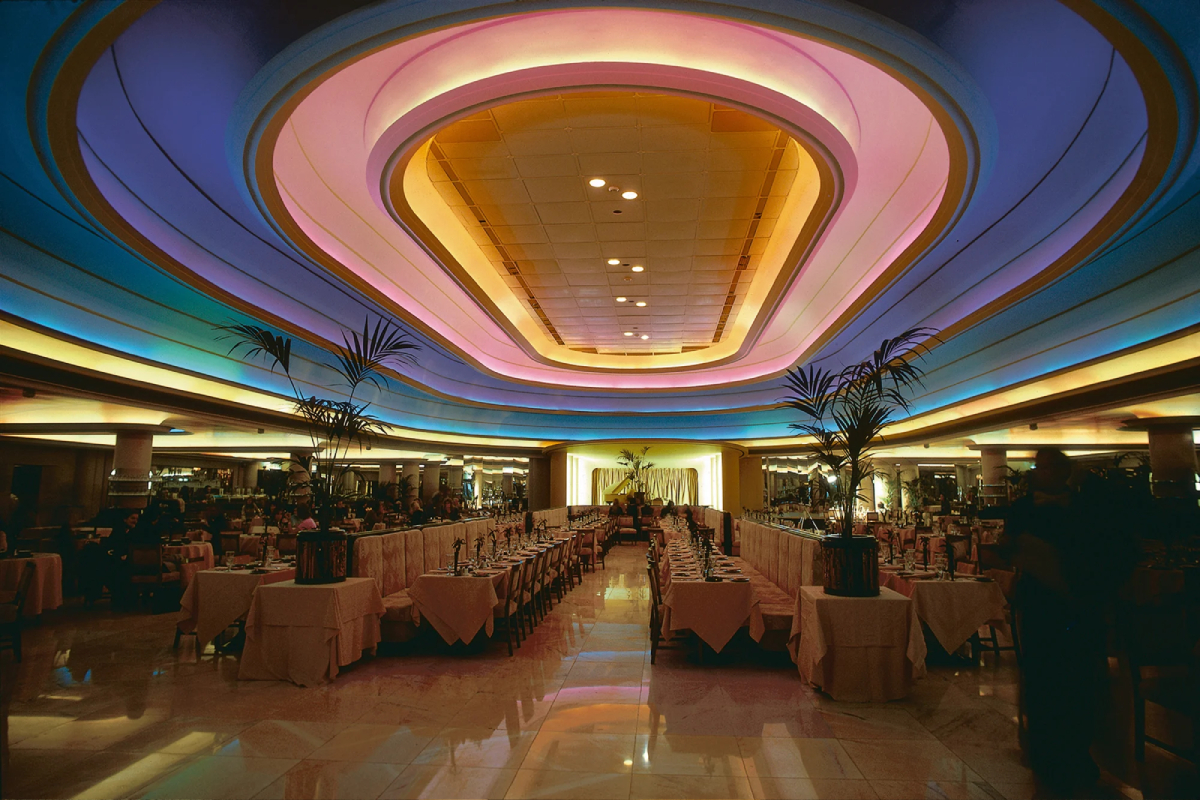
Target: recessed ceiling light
[(597, 182), (622, 299), (645, 336), (612, 262), (629, 195), (638, 268), (640, 304), (629, 333)]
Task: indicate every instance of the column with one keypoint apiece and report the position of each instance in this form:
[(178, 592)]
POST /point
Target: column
[(994, 468), (506, 484), (867, 490), (387, 472), (1172, 458), (410, 472), (905, 475), (731, 480), (962, 476), (431, 479), (298, 476), (537, 485), (454, 481), (129, 481), (750, 471), (478, 484), (250, 476)]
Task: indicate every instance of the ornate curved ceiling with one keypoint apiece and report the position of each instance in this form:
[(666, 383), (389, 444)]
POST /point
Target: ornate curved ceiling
[(1019, 175)]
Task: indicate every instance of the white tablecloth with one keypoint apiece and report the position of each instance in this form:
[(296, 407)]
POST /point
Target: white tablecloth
[(217, 598), (857, 649), (953, 610), (458, 608), (303, 634)]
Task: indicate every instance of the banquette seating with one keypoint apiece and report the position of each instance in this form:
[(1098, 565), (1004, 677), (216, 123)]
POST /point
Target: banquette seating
[(395, 559), (788, 560)]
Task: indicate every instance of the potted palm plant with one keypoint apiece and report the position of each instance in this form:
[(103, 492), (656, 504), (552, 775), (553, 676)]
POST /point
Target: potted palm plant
[(636, 469), (847, 411), (333, 426)]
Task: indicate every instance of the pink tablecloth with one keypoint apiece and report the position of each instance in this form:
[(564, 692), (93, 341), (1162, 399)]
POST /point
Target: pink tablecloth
[(953, 610), (216, 598), (458, 608), (304, 634), (857, 649), (45, 593), (191, 557)]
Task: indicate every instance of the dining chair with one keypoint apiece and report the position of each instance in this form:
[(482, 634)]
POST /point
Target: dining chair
[(146, 573), (11, 610), (508, 609), (657, 612)]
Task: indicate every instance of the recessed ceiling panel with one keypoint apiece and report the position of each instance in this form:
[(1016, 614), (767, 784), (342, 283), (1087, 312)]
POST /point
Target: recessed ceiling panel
[(638, 228)]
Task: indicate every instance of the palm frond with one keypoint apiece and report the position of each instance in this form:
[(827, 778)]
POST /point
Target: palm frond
[(812, 390), (257, 341), (362, 357)]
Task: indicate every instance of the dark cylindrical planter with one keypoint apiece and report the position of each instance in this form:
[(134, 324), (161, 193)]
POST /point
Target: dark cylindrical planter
[(321, 557), (851, 565)]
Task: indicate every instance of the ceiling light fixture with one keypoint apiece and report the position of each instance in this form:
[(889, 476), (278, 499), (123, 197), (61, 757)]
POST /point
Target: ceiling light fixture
[(597, 182), (622, 299), (638, 268), (612, 262), (629, 195), (629, 333), (640, 304), (645, 336)]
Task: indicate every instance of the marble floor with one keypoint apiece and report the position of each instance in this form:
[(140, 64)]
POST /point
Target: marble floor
[(102, 706)]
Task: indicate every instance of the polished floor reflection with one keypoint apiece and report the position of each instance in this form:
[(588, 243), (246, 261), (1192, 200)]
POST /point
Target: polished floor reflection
[(103, 707)]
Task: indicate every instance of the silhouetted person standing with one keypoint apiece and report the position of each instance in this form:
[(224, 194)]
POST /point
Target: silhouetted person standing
[(1070, 569)]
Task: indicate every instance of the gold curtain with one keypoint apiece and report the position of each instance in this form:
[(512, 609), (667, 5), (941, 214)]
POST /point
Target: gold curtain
[(667, 483)]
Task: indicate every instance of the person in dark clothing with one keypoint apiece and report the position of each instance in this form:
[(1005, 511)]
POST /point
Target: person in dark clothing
[(1070, 568), (615, 509), (669, 509)]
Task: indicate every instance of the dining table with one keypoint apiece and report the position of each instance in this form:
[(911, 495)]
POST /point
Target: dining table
[(45, 593), (460, 606), (857, 649), (192, 557), (217, 598), (714, 610), (952, 610), (305, 633)]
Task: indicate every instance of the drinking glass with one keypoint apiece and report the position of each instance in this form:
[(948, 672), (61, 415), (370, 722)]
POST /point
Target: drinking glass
[(910, 559), (939, 565)]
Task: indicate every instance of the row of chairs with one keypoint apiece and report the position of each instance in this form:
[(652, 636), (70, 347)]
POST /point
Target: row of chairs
[(539, 580), (653, 568)]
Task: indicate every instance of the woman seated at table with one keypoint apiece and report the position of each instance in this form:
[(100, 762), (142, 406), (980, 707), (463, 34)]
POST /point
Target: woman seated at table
[(669, 509), (280, 522), (250, 510), (616, 510), (306, 521)]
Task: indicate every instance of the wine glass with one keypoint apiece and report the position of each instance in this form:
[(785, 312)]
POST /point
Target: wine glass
[(910, 559), (939, 565)]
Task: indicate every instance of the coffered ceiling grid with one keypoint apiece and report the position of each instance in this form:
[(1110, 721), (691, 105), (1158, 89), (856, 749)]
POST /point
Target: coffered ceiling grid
[(711, 183)]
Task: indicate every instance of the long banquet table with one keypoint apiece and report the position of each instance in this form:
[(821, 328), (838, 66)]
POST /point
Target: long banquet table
[(305, 633), (45, 593), (713, 610)]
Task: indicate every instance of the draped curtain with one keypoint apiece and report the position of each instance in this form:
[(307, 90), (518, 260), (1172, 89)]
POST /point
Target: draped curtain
[(669, 483)]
